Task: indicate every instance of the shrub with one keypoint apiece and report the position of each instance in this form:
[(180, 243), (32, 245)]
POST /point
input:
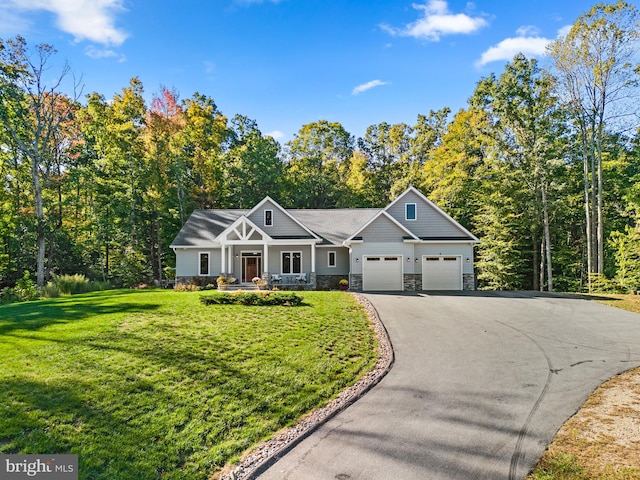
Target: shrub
[(50, 290), (252, 298), (26, 289), (71, 284), (186, 287), (7, 296)]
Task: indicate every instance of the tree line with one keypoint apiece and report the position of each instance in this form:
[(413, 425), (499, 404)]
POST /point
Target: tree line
[(543, 165)]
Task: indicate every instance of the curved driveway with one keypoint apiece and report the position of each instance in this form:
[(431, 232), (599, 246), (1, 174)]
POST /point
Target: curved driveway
[(481, 383)]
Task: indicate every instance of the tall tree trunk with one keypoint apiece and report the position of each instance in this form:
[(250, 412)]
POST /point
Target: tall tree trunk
[(600, 229), (40, 234), (536, 266), (587, 211), (542, 264), (547, 236)]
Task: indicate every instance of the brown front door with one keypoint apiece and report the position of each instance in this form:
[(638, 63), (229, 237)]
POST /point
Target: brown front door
[(251, 268)]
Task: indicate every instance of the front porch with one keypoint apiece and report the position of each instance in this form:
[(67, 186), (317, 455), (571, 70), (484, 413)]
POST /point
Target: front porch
[(247, 252)]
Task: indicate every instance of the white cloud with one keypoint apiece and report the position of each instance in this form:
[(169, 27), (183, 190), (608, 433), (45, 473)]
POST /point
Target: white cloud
[(528, 42), (528, 30), (564, 31), (277, 135), (92, 20), (367, 86), (510, 47), (437, 21)]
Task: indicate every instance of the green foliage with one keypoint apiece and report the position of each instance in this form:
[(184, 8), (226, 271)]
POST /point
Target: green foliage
[(74, 284), (627, 254), (26, 289), (130, 268), (124, 176), (264, 298), (560, 467)]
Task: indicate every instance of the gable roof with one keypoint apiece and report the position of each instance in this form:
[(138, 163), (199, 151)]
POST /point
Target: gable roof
[(268, 199), (385, 215), (203, 226), (464, 234), (334, 225)]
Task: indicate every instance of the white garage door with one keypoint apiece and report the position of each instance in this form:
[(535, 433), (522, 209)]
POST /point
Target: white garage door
[(441, 272), (382, 273)]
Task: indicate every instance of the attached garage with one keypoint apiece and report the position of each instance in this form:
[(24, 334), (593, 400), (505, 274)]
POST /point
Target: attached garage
[(382, 273), (441, 272)]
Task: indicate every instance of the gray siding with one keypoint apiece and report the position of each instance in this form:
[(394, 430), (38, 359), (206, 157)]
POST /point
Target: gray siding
[(429, 222), (342, 261), (275, 257), (382, 230), (283, 225), (463, 249), (187, 262), (390, 249)]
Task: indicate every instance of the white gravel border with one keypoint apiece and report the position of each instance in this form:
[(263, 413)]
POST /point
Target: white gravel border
[(267, 453)]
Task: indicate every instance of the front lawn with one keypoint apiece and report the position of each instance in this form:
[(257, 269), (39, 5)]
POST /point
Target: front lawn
[(153, 384)]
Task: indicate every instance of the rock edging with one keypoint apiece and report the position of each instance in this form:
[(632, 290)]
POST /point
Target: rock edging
[(267, 453)]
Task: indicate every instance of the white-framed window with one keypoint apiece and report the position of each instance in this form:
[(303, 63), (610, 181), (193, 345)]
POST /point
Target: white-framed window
[(268, 218), (203, 264), (410, 211), (331, 258), (291, 262)]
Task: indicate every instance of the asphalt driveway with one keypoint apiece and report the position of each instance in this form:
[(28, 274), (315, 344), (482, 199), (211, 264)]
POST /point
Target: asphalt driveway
[(481, 383)]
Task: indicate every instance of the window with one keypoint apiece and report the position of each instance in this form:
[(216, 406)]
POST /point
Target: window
[(331, 259), (291, 262), (204, 264), (268, 218), (410, 211)]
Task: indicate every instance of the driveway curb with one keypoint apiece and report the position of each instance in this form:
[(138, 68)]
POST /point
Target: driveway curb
[(267, 453)]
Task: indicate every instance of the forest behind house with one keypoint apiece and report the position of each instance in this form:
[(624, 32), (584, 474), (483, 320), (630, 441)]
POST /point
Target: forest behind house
[(543, 165)]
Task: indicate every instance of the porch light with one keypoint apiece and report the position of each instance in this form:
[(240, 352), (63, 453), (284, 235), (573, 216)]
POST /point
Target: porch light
[(408, 259), (468, 260), (357, 260), (417, 260)]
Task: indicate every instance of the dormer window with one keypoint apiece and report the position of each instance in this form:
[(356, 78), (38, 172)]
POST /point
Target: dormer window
[(268, 218), (410, 211)]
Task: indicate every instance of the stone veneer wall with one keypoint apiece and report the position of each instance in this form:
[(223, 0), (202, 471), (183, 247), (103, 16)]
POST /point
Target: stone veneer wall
[(329, 282), (355, 282), (413, 282), (468, 281)]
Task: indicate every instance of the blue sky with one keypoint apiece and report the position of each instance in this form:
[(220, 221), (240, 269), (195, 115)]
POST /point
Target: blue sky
[(286, 63)]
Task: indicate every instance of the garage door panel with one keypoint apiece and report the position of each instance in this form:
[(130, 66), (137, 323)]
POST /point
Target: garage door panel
[(382, 273), (442, 272)]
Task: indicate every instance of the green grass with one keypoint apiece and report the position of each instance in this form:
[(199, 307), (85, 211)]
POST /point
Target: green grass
[(153, 384)]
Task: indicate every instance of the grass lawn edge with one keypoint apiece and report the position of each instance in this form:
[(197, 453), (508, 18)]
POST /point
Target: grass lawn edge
[(260, 458)]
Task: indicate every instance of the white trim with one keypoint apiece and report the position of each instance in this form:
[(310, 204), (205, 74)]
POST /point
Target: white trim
[(243, 266), (290, 252), (200, 274), (375, 217), (335, 259), (436, 208), (239, 227), (277, 205), (415, 212), (265, 217)]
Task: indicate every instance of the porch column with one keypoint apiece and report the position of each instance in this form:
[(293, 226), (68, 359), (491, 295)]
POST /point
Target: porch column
[(223, 259), (265, 260), (313, 258)]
